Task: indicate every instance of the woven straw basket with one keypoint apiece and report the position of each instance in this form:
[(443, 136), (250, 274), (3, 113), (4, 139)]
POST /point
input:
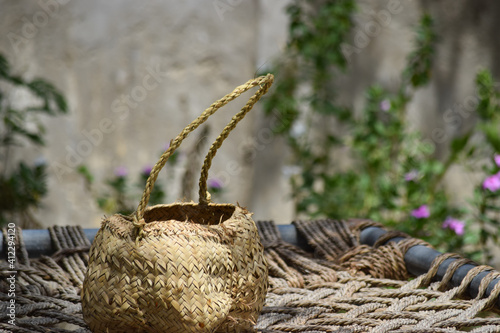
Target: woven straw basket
[(182, 267)]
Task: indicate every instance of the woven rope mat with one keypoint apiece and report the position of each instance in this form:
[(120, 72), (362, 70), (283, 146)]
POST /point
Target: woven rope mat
[(340, 287)]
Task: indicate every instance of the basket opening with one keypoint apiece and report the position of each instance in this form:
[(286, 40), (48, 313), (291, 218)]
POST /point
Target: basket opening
[(194, 213)]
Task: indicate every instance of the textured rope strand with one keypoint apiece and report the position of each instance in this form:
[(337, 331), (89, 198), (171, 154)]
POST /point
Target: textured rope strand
[(139, 214), (268, 81)]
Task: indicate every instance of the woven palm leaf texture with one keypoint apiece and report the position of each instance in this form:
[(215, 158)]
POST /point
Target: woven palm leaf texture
[(181, 267)]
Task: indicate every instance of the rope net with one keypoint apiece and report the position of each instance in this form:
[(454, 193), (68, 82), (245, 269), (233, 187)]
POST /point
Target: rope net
[(340, 286)]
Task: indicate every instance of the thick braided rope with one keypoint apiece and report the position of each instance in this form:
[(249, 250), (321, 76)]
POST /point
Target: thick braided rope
[(47, 288), (138, 218), (299, 299), (354, 303), (268, 81)]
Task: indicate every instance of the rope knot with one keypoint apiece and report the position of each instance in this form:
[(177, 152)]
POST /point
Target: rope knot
[(138, 228), (139, 223)]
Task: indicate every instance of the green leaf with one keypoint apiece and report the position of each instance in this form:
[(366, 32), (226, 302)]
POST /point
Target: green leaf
[(490, 130), (15, 123), (85, 172), (48, 93), (458, 144), (23, 188), (418, 70)]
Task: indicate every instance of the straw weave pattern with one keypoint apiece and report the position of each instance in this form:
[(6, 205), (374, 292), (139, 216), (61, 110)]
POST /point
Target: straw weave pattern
[(182, 277)]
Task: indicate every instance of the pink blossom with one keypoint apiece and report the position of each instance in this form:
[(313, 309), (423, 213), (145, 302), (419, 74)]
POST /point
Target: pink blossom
[(147, 170), (455, 225), (121, 171), (492, 182), (421, 212), (412, 175), (215, 183), (385, 105), (497, 160)]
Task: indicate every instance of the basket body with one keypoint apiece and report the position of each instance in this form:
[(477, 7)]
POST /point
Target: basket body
[(196, 269)]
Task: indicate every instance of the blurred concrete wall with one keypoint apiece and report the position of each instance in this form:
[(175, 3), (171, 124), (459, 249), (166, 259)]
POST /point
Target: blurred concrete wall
[(135, 73)]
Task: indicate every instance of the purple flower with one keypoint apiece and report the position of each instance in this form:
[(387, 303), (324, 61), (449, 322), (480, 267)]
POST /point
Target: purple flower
[(121, 171), (385, 105), (492, 182), (497, 160), (455, 225), (146, 170), (215, 183), (421, 212), (412, 175)]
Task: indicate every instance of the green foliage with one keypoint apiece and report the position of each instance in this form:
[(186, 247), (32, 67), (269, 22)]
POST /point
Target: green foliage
[(486, 200), (121, 196), (316, 35), (419, 66), (23, 188), (16, 121), (394, 176)]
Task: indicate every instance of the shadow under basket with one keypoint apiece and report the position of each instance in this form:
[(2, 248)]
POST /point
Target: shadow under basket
[(179, 276)]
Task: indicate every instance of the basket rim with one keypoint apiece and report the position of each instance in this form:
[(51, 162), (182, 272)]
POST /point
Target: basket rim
[(122, 225)]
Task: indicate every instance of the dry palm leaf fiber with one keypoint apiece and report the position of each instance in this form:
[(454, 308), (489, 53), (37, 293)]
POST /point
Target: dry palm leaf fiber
[(182, 267)]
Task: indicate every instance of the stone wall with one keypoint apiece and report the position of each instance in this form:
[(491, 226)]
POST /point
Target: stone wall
[(135, 73)]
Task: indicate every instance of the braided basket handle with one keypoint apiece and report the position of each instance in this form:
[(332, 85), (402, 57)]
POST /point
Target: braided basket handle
[(207, 163), (264, 82)]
